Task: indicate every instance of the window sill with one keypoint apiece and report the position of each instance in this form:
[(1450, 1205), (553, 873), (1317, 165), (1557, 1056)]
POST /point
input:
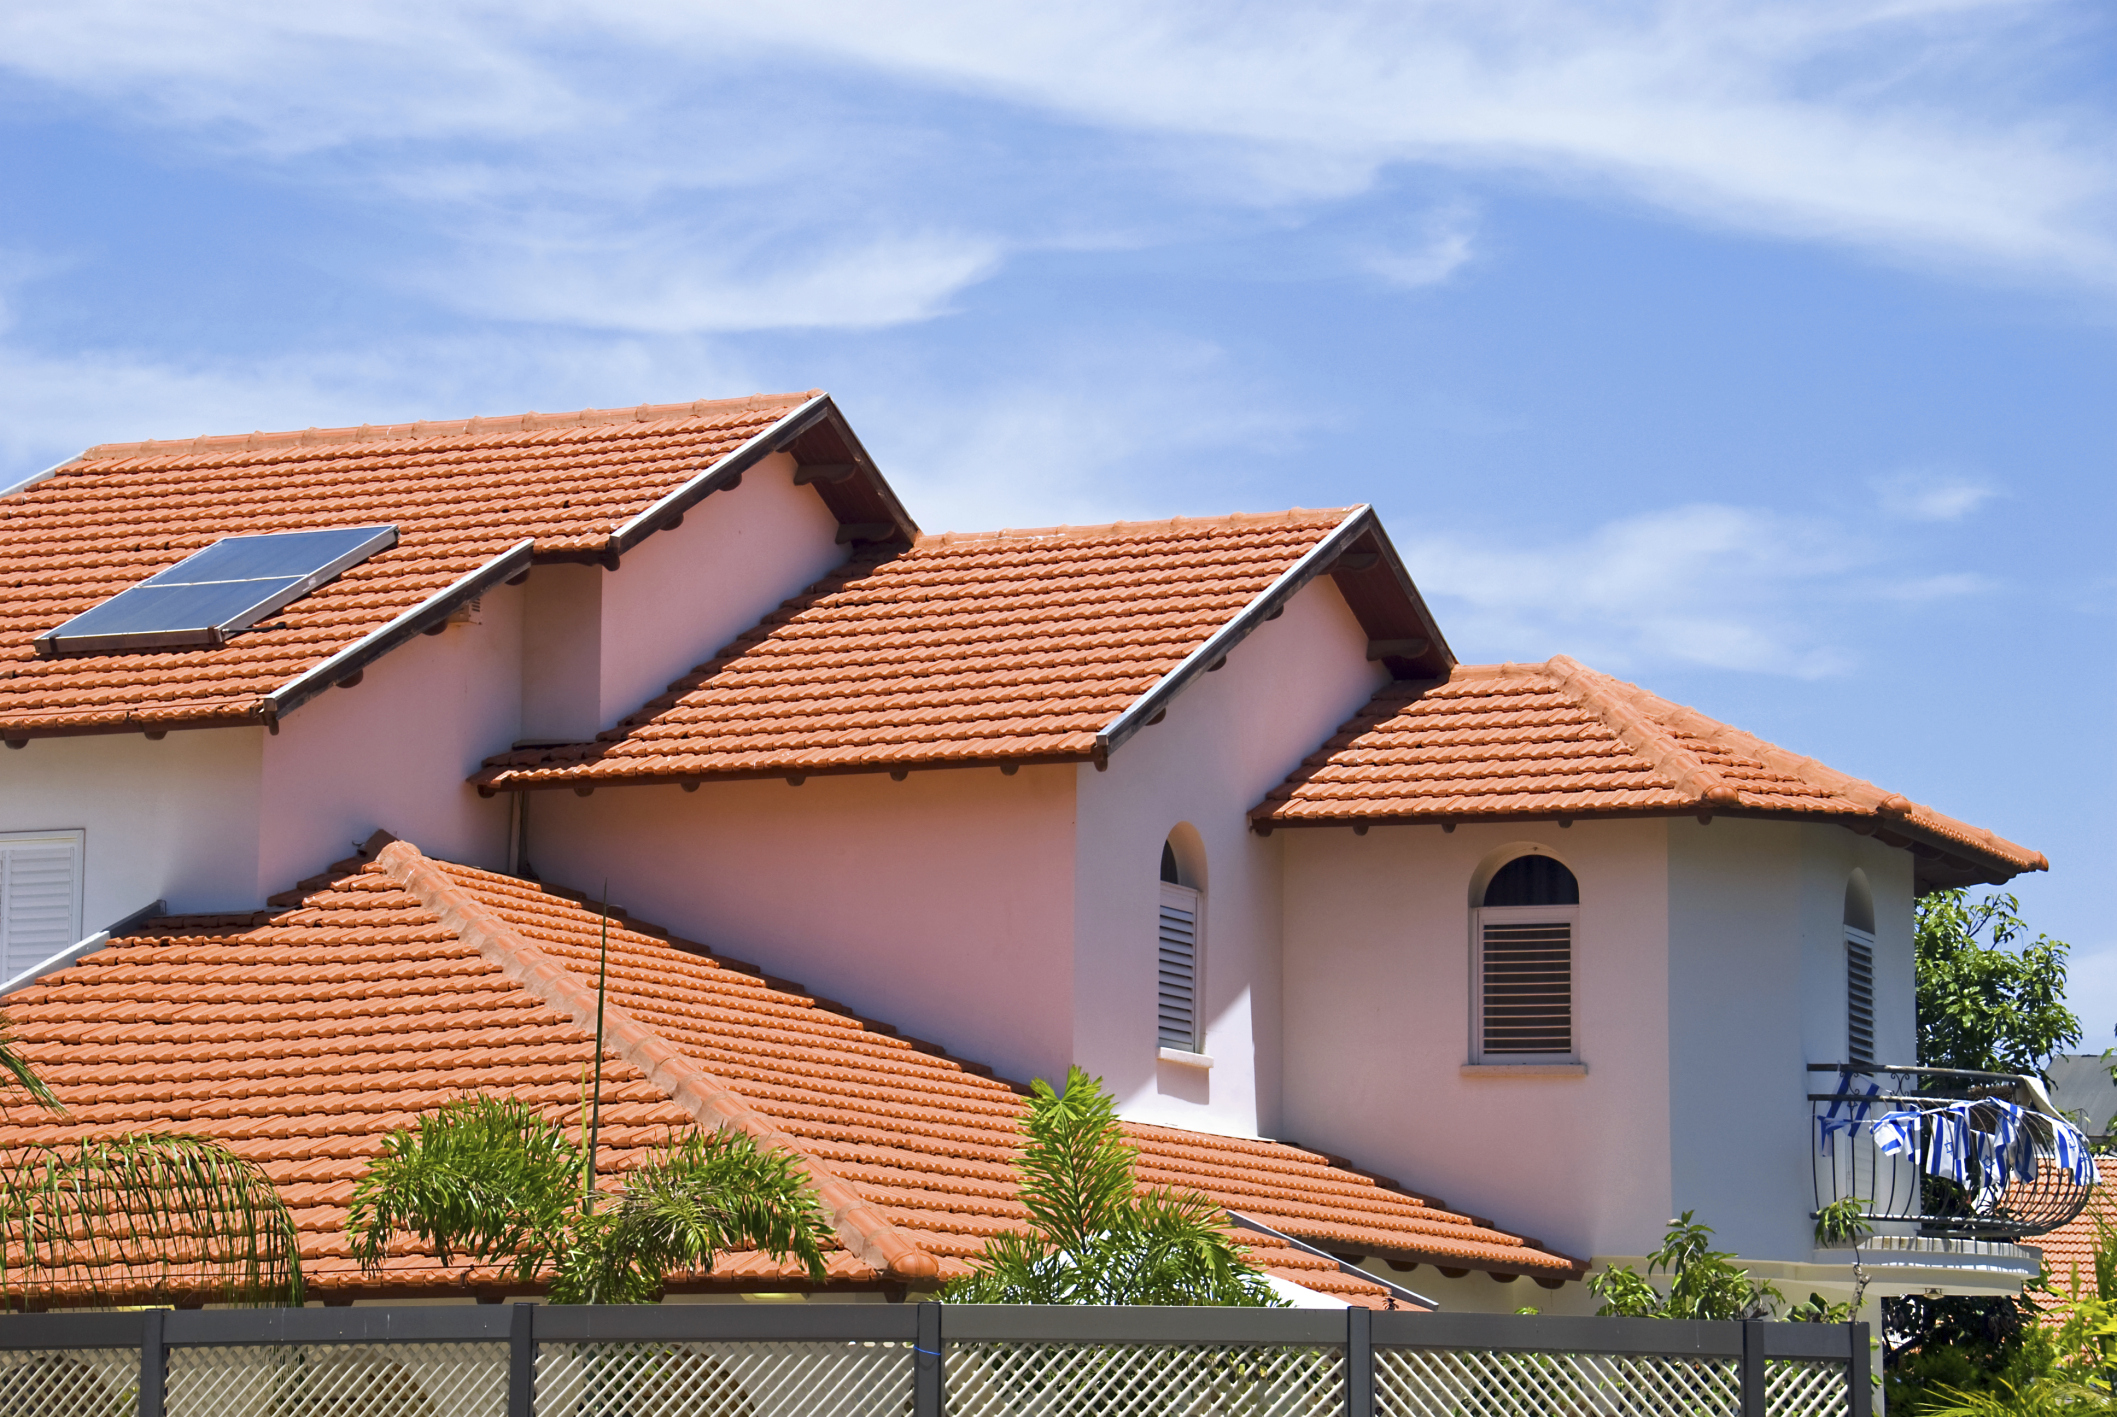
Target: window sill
[(1185, 1058), (1524, 1070)]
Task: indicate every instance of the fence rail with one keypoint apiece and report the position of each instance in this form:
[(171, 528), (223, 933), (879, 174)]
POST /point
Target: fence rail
[(915, 1360)]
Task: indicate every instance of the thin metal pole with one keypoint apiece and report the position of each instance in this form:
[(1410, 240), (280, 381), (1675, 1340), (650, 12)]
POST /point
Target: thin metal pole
[(595, 1096), (929, 1377), (1359, 1362), (522, 1361), (154, 1363)]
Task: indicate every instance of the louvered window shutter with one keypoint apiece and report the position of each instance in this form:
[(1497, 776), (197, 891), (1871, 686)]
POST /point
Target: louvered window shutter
[(1178, 948), (1859, 996), (40, 898), (1525, 986)]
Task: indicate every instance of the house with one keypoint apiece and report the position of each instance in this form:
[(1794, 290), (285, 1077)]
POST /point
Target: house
[(1207, 806)]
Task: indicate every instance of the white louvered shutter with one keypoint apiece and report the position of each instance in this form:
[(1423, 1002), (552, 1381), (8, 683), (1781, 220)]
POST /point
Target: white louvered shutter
[(40, 898), (1525, 986), (1178, 954), (1859, 996)]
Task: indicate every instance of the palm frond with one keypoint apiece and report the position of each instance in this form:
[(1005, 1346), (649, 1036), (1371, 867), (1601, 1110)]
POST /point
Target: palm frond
[(488, 1177), (164, 1214), (15, 1071)]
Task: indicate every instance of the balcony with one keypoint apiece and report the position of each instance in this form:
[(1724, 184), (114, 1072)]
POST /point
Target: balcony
[(1942, 1153)]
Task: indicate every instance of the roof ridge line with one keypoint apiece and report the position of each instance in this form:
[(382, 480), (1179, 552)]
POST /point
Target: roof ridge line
[(1817, 774), (1677, 765), (530, 422), (870, 1236), (1291, 516)]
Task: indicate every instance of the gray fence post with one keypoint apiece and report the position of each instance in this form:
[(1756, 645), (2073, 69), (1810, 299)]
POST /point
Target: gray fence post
[(522, 1361), (1753, 1393), (929, 1379), (154, 1362), (1859, 1371), (1359, 1362)]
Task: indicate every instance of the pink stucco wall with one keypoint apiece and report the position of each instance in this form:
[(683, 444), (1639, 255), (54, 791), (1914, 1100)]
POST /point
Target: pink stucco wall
[(942, 904), (1228, 739)]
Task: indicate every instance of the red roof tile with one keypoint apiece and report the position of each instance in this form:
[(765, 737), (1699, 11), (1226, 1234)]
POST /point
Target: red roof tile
[(302, 1037), (1560, 740), (460, 493), (964, 649)]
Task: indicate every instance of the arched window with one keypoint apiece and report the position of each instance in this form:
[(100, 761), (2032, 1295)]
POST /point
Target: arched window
[(1524, 969), (1180, 945), (1859, 970)]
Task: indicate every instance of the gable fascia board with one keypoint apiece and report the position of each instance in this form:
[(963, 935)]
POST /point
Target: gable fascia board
[(78, 951), (1406, 587), (45, 476), (711, 1102), (729, 470), (426, 615), (1359, 522), (1244, 1222)]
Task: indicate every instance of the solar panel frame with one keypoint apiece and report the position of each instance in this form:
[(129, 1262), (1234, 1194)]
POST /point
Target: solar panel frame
[(198, 603)]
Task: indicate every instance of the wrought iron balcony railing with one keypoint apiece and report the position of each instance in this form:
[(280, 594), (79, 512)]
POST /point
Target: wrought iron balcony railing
[(1963, 1155)]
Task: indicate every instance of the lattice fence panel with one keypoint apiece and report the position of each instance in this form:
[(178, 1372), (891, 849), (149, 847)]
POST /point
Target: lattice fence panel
[(69, 1382), (339, 1380), (1805, 1389), (1144, 1380), (1432, 1382), (845, 1379)]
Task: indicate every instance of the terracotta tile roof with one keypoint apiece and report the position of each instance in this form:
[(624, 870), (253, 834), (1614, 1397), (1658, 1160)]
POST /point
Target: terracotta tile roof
[(2070, 1250), (1560, 740), (961, 650), (461, 494), (301, 1037)]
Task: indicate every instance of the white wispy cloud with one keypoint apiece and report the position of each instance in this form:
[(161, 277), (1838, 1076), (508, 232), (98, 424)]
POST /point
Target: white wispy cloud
[(1443, 244), (1932, 496), (1725, 587), (1922, 129)]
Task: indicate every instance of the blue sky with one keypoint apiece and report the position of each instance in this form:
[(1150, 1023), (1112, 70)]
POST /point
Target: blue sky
[(1764, 354)]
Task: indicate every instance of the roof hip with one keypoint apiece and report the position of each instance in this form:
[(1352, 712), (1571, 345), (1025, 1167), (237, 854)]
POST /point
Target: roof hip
[(1677, 765), (709, 1100)]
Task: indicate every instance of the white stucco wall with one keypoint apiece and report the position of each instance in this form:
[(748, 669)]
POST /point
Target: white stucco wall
[(175, 820), (1756, 992), (394, 751), (1231, 737), (1377, 970), (941, 905), (681, 595)]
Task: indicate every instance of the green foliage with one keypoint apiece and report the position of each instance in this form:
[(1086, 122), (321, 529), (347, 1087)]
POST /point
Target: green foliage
[(2046, 1396), (1940, 1349), (1095, 1238), (101, 1220), (1842, 1222), (1703, 1283), (98, 1221), (492, 1179), (1985, 1002)]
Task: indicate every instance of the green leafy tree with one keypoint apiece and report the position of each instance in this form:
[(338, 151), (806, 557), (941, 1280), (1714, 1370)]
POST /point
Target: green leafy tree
[(1702, 1283), (113, 1219), (1095, 1237), (1989, 998), (493, 1180)]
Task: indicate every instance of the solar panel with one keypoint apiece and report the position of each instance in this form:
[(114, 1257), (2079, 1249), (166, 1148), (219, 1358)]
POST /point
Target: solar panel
[(212, 593)]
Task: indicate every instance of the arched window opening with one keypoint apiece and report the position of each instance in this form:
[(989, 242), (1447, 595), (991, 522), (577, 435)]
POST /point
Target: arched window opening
[(1524, 932), (1179, 950), (1859, 970)]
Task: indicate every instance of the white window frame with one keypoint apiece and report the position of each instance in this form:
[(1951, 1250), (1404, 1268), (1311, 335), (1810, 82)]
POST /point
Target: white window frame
[(78, 840), (1855, 937), (1183, 898), (1480, 917)]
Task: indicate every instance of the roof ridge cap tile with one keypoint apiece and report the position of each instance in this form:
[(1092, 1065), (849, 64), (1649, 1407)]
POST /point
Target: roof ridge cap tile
[(1614, 702), (531, 421), (709, 1100), (1292, 516)]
